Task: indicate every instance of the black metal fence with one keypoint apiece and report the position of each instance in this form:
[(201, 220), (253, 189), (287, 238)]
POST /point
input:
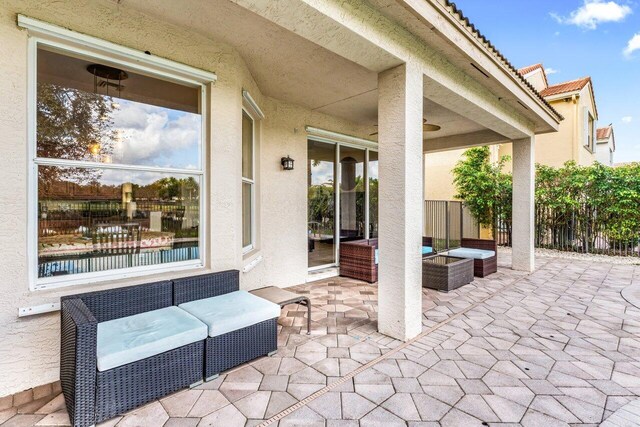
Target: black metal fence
[(580, 229), (447, 222)]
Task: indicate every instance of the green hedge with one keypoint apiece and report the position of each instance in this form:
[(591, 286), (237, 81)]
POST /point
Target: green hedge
[(606, 200)]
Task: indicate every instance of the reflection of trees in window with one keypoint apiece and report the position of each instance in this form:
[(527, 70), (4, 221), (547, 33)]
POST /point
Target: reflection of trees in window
[(73, 125), (321, 207), (169, 188)]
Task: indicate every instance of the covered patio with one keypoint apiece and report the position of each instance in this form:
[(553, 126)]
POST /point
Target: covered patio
[(262, 82), (556, 347)]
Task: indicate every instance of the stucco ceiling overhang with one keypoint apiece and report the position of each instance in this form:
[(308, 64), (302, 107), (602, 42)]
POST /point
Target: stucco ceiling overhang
[(313, 61)]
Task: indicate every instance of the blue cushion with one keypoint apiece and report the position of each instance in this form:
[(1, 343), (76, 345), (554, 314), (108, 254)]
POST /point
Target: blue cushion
[(471, 253), (376, 257), (232, 311), (132, 338)]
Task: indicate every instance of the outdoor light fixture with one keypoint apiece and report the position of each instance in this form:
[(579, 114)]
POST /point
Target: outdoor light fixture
[(287, 163)]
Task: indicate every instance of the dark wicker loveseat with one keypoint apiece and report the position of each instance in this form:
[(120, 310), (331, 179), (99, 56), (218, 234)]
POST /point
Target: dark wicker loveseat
[(92, 395), (483, 267)]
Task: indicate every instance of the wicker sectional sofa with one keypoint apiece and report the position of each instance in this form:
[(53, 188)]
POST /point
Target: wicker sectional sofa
[(102, 377)]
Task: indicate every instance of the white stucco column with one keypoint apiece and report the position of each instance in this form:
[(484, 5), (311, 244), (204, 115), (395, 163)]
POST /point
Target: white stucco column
[(523, 227), (400, 199)]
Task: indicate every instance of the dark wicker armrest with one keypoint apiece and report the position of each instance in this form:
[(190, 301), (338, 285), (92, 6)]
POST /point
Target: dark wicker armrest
[(486, 244), (358, 250), (78, 361)]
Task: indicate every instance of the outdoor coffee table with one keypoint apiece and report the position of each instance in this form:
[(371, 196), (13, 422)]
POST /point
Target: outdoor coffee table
[(282, 297), (446, 273)]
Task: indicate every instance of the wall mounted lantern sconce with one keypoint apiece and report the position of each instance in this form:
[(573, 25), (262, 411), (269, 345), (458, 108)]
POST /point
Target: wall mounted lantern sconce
[(287, 163)]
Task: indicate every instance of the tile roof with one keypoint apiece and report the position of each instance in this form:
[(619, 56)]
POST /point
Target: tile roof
[(531, 68), (526, 70), (566, 87), (603, 133), (453, 9)]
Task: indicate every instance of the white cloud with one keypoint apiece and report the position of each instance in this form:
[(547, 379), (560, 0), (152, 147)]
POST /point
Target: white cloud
[(632, 45), (550, 71), (594, 12), (156, 136), (627, 119)]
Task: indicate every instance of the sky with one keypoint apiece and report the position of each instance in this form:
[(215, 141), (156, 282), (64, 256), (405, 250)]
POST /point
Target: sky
[(153, 136), (573, 39)]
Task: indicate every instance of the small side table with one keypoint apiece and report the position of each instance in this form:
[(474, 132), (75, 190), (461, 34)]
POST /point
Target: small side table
[(283, 297), (446, 273)]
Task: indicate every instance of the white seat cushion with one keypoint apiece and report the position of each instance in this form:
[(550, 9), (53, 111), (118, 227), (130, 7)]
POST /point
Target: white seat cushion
[(471, 253), (232, 311), (133, 338)]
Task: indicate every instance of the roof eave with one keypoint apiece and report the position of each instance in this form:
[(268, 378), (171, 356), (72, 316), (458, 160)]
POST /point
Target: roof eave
[(449, 9)]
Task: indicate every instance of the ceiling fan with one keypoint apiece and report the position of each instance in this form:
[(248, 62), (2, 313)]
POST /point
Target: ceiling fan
[(426, 127)]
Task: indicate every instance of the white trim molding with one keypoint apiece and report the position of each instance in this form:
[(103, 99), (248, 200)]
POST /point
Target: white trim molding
[(131, 58), (317, 133), (251, 103)]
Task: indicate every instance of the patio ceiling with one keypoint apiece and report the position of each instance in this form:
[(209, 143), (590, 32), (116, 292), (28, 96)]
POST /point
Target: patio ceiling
[(291, 68)]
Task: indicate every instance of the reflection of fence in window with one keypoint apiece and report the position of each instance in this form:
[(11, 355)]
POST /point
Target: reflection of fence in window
[(72, 217), (93, 263)]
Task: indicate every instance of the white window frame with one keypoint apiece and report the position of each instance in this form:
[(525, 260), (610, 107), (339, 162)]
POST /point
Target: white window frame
[(251, 108), (76, 44), (252, 185), (343, 140)]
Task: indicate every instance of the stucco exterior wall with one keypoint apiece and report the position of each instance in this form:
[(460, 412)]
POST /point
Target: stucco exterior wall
[(438, 175), (604, 152), (30, 346), (537, 79), (554, 149)]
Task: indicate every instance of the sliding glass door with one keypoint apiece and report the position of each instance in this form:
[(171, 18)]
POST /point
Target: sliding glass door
[(322, 204), (342, 198)]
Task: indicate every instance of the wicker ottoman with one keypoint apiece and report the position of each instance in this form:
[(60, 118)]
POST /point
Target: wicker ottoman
[(445, 273)]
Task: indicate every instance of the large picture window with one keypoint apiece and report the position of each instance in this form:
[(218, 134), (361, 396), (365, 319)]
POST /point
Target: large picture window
[(118, 168)]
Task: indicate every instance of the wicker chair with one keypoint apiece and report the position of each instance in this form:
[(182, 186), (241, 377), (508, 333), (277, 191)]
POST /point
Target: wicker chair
[(357, 260), (233, 348), (483, 267), (93, 396)]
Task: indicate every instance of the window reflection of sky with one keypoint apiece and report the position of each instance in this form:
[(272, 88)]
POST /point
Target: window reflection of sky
[(322, 173), (156, 136)]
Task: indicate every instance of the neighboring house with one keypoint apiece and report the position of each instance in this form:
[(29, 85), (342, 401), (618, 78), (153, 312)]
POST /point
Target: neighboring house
[(143, 140), (575, 139), (605, 145)]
